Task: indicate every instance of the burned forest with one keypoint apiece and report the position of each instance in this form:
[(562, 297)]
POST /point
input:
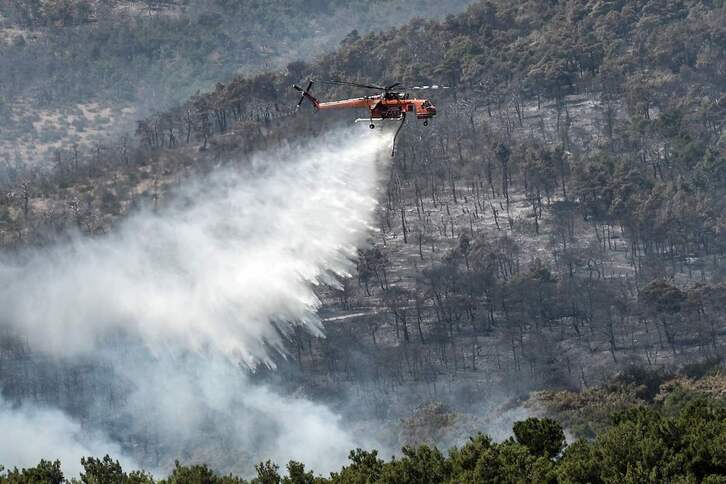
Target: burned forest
[(543, 262)]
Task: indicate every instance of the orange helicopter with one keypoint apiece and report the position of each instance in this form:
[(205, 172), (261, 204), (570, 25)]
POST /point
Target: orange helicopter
[(390, 104)]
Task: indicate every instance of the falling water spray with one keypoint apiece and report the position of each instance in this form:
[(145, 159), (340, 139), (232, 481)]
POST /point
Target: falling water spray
[(181, 302)]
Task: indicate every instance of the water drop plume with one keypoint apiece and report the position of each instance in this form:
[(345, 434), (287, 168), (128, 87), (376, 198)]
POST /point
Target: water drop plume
[(173, 300)]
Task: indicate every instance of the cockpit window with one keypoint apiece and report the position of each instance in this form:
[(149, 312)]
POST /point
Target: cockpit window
[(426, 104)]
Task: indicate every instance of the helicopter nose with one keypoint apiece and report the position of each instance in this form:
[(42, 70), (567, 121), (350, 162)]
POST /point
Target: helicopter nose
[(431, 110)]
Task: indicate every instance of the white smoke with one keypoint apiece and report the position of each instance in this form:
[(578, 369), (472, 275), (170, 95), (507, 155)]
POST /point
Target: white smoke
[(215, 279), (30, 433), (204, 409)]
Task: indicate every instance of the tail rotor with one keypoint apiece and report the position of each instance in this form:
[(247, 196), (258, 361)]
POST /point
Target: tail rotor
[(305, 93)]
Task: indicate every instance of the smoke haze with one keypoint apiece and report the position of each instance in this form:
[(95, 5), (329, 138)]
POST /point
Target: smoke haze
[(31, 433), (180, 303)]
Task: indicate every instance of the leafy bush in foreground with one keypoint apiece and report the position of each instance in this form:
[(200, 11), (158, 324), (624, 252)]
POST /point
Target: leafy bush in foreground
[(655, 443)]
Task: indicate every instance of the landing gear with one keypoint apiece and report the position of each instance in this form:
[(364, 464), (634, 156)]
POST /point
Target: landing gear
[(426, 123), (371, 125)]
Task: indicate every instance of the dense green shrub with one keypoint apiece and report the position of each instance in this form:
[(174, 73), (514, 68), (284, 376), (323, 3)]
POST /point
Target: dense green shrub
[(642, 444)]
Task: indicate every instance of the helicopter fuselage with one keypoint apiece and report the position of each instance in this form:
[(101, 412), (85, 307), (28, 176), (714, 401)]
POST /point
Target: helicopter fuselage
[(391, 106), (387, 105)]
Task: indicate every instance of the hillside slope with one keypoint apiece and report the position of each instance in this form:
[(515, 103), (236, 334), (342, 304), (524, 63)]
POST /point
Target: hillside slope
[(73, 72), (561, 218)]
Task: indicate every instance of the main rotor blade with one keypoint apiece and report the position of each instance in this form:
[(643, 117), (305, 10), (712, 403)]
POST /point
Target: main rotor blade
[(354, 84), (395, 84)]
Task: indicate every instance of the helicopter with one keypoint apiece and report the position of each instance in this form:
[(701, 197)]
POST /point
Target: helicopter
[(389, 104)]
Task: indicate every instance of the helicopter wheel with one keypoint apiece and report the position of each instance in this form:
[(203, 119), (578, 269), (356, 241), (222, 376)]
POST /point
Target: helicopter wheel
[(371, 125), (425, 123)]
